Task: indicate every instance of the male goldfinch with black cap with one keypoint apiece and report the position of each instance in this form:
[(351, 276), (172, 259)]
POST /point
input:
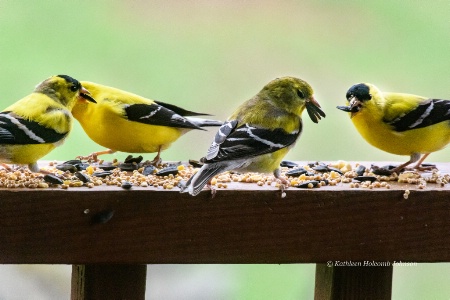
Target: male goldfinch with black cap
[(402, 124)]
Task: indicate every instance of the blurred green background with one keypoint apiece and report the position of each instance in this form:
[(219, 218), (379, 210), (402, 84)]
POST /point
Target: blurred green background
[(209, 56)]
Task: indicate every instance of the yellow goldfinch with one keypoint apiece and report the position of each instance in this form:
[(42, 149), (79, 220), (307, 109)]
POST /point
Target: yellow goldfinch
[(36, 124), (130, 123), (259, 133), (397, 123)]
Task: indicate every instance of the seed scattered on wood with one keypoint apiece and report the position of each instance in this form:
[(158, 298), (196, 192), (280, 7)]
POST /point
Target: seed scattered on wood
[(126, 185), (66, 167), (296, 172), (102, 174), (130, 159), (128, 166), (360, 170), (148, 170), (53, 179), (167, 171), (308, 184), (288, 164), (83, 177), (365, 178)]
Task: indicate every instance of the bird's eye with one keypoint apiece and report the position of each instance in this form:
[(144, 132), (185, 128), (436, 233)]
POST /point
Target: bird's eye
[(300, 94), (74, 88)]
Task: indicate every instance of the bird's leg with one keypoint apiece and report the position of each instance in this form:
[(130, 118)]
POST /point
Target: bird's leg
[(34, 167), (213, 190), (414, 157), (426, 168), (157, 160), (284, 184), (6, 167), (94, 156)]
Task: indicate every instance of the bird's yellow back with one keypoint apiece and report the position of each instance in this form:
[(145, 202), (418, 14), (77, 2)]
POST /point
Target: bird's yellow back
[(107, 125)]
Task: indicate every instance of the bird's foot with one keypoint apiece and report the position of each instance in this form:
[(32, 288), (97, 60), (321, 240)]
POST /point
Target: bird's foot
[(425, 167), (213, 190), (93, 157), (6, 167), (156, 161), (387, 170), (284, 184)]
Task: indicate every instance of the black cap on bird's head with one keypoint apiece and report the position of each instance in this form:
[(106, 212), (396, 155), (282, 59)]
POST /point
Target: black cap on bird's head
[(360, 91), (356, 95), (76, 86)]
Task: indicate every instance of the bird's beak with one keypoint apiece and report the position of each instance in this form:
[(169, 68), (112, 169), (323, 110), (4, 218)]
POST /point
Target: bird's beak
[(314, 110), (353, 107), (84, 95)]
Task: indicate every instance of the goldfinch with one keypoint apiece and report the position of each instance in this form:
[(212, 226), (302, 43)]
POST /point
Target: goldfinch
[(259, 133), (397, 123), (130, 123), (36, 124)]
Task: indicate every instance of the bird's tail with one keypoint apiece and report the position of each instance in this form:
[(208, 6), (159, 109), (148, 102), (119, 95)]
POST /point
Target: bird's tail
[(197, 181), (204, 122)]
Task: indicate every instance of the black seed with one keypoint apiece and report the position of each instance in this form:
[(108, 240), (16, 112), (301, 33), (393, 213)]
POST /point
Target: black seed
[(83, 177), (73, 162), (130, 159), (288, 164), (66, 167), (365, 178), (126, 185), (321, 168), (195, 163), (305, 184), (296, 172), (77, 164), (360, 170), (148, 170), (167, 171), (385, 170), (128, 166), (53, 179), (102, 174), (107, 166), (317, 163)]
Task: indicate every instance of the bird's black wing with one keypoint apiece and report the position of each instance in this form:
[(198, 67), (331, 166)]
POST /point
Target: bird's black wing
[(181, 111), (155, 114), (246, 141), (19, 131), (425, 114)]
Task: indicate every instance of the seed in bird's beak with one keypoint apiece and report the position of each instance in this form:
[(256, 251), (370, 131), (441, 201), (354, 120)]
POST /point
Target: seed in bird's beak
[(353, 107), (84, 94), (313, 109)]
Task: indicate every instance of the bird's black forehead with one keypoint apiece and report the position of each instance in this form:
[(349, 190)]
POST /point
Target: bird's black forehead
[(71, 80), (361, 91)]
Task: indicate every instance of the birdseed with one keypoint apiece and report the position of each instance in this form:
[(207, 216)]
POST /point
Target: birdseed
[(93, 176)]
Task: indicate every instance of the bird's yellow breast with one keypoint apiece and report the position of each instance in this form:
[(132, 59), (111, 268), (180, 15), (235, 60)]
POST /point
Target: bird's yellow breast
[(24, 154), (106, 125), (383, 136)]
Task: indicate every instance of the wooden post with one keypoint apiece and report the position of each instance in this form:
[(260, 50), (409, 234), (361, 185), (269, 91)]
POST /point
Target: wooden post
[(92, 282), (353, 282)]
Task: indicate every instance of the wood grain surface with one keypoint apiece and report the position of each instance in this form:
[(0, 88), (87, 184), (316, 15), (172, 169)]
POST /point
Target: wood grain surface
[(242, 224)]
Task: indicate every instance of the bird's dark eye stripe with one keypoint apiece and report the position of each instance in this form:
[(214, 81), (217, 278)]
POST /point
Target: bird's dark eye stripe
[(300, 94)]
